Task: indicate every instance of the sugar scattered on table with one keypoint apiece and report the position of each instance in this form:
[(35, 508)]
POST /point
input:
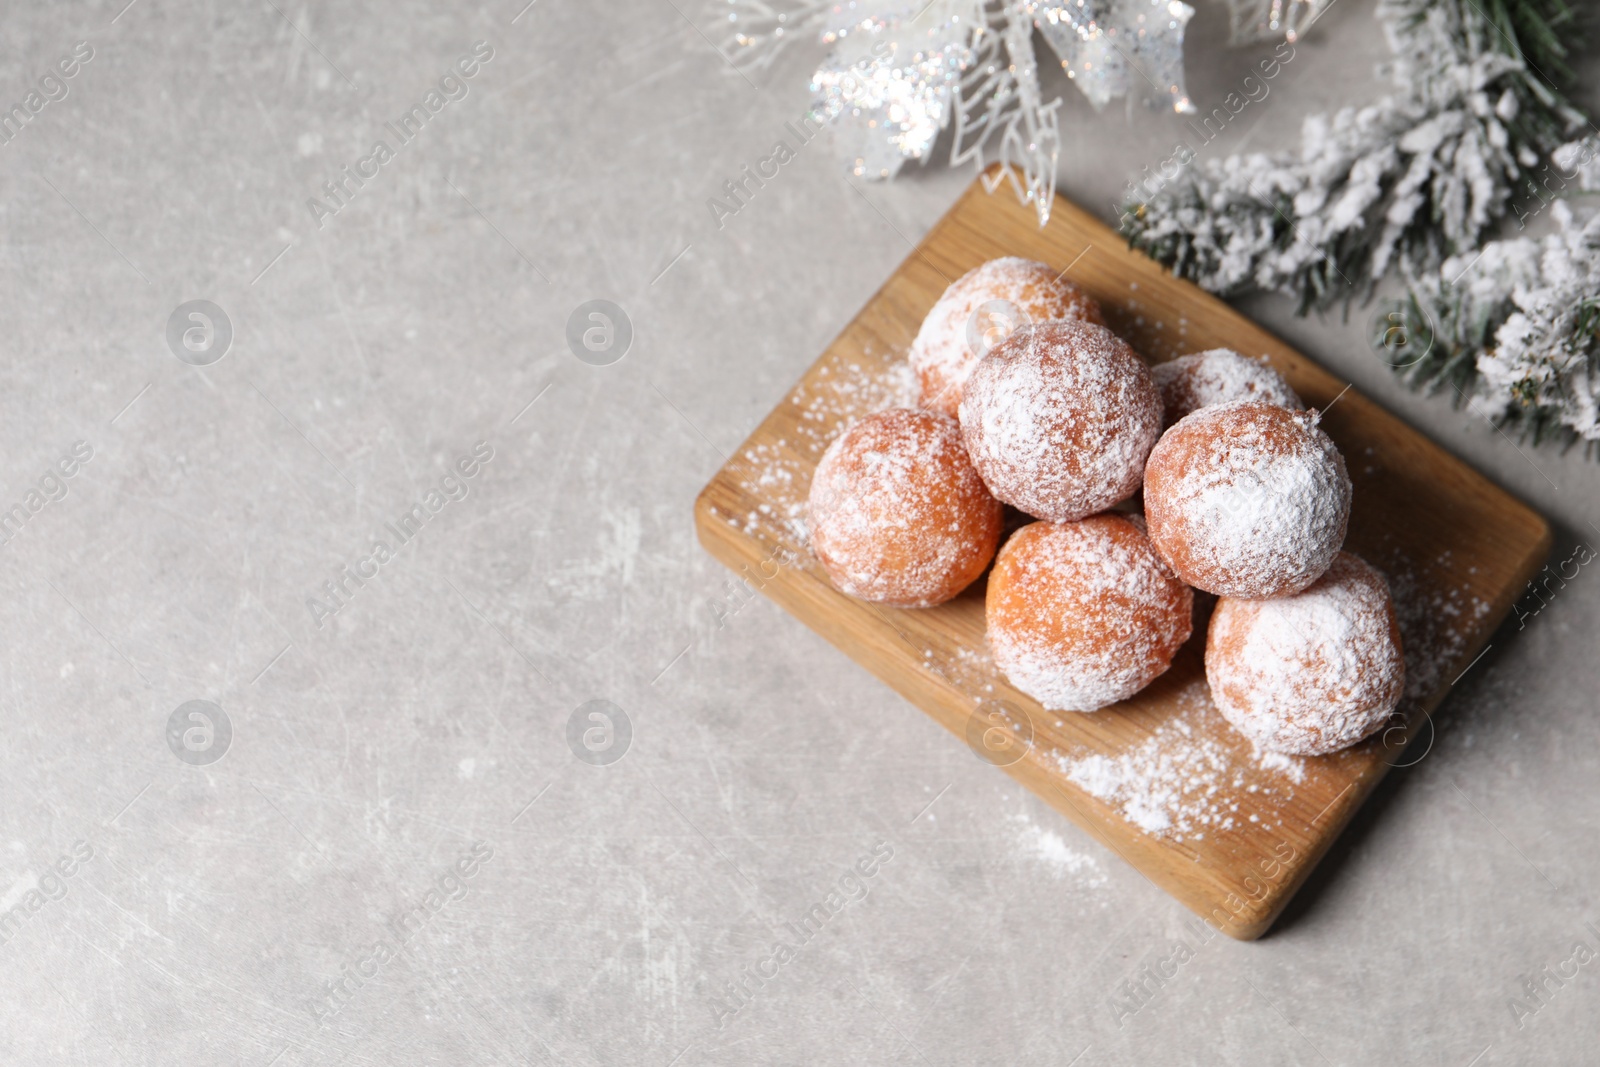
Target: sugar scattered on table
[(1052, 851)]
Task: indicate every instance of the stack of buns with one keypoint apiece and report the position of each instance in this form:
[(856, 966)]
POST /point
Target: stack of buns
[(1029, 400)]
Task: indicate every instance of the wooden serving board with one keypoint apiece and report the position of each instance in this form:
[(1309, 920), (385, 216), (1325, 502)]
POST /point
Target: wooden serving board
[(1161, 779)]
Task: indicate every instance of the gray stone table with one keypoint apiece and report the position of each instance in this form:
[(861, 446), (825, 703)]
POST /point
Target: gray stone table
[(398, 859)]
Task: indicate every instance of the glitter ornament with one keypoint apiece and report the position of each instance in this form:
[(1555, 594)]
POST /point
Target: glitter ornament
[(1251, 21), (899, 72), (1001, 116), (1110, 48), (886, 86)]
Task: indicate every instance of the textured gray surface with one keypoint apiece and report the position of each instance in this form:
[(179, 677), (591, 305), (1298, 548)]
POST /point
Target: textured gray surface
[(370, 754)]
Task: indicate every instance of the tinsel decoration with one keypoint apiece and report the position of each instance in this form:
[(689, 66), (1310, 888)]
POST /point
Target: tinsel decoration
[(900, 70)]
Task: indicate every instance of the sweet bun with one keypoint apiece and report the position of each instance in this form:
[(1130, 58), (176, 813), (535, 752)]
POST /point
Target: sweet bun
[(976, 313), (1310, 673), (1059, 419), (898, 515), (1247, 499), (1084, 614)]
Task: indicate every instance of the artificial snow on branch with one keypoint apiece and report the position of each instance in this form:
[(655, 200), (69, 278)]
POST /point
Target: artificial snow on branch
[(1473, 138), (1418, 176), (1514, 330)]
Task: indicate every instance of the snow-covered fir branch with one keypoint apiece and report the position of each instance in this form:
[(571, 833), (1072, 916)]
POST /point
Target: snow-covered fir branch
[(1473, 139), (1420, 175), (1513, 330)]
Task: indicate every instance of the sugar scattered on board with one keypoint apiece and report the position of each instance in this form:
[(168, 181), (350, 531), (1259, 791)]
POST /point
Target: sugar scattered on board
[(779, 473), (1291, 767), (1181, 782), (1433, 619)]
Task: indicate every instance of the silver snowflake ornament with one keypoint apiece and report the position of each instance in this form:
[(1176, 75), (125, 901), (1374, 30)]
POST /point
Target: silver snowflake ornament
[(886, 87), (900, 70)]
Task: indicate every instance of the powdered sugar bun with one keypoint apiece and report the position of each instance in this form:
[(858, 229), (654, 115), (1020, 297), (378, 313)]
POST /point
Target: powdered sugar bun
[(942, 355), (1247, 499), (1217, 376), (897, 513), (1310, 673), (1084, 614), (1059, 418)]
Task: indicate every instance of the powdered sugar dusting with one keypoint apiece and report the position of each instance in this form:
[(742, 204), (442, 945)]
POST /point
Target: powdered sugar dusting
[(1433, 625), (1061, 860), (942, 355), (1083, 614), (1181, 783), (1218, 376), (1291, 767), (1310, 673), (1060, 418), (1247, 500)]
